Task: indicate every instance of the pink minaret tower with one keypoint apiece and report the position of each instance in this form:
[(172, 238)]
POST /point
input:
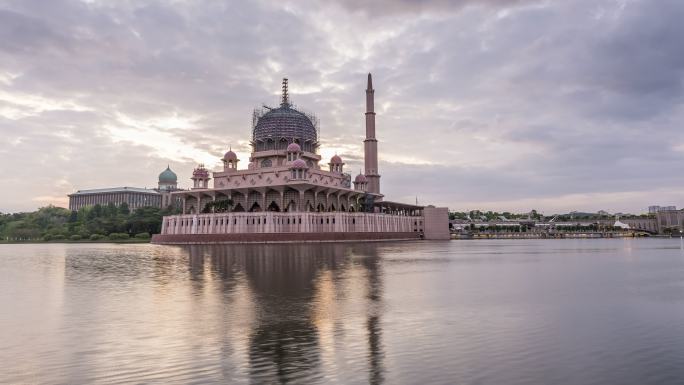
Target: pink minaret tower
[(370, 145)]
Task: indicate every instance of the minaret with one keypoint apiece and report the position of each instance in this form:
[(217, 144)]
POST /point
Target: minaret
[(370, 145)]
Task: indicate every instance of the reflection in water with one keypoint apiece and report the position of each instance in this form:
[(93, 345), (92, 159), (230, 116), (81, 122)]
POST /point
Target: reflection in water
[(292, 289), (372, 265)]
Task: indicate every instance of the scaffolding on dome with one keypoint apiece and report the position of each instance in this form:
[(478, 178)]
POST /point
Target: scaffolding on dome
[(273, 128)]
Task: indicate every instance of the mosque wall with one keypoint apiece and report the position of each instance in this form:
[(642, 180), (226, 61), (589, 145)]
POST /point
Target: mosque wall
[(275, 222)]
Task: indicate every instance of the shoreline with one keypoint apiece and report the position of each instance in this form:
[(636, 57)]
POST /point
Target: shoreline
[(318, 241), (3, 242)]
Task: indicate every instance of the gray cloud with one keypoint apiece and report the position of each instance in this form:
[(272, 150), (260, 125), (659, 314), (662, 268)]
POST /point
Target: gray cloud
[(489, 103), (384, 7)]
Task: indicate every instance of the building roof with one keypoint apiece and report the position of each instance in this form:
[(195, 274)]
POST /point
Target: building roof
[(230, 155), (200, 172), (299, 164), (168, 176), (116, 190), (398, 205), (284, 122)]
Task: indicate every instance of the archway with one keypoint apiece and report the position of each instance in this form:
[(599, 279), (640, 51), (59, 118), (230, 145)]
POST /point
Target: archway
[(320, 207), (255, 208), (273, 206)]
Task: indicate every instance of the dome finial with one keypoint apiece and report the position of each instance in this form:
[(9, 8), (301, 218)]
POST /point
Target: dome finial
[(286, 99)]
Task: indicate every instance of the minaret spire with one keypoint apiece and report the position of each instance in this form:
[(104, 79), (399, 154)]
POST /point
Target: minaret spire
[(286, 99), (370, 144)]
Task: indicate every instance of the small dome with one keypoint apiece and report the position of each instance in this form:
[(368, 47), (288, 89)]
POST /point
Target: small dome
[(200, 172), (168, 176), (298, 164), (336, 159), (293, 147), (230, 155), (360, 179)]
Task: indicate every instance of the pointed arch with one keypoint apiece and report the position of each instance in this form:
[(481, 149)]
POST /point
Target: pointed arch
[(273, 206), (238, 208), (255, 208)]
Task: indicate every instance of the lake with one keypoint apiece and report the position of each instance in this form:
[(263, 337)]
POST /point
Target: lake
[(608, 311)]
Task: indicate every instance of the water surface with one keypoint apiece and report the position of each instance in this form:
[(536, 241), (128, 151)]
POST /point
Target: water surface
[(460, 312)]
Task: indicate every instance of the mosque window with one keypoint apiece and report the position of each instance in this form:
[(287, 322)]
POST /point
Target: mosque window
[(266, 163)]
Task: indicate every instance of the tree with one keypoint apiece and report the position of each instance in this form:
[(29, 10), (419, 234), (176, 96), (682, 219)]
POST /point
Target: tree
[(110, 210), (124, 209)]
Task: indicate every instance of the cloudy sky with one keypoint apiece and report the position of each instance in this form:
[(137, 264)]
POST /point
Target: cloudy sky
[(491, 104)]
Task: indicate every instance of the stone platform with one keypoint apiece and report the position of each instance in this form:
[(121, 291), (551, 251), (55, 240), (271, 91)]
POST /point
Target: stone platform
[(189, 239)]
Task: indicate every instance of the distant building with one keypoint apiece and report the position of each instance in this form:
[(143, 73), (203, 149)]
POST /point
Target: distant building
[(670, 219), (655, 209), (134, 197), (646, 224)]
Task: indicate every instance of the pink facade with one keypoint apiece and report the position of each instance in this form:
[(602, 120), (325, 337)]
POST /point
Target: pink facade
[(285, 189), (274, 222)]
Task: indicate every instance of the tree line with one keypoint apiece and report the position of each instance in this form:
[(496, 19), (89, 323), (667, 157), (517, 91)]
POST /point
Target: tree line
[(477, 215), (92, 222)]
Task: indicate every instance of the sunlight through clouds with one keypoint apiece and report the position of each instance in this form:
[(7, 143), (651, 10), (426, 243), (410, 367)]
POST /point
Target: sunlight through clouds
[(157, 133)]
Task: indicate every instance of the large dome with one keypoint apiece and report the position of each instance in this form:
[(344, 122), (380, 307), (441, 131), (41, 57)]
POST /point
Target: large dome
[(275, 128), (285, 123)]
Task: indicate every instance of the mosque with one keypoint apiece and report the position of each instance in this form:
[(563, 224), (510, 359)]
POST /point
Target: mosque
[(288, 192)]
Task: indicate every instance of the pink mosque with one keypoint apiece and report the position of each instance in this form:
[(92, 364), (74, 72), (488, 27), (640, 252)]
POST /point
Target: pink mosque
[(287, 193)]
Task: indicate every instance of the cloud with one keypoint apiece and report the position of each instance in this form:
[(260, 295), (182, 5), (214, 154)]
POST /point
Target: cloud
[(385, 7), (492, 103)]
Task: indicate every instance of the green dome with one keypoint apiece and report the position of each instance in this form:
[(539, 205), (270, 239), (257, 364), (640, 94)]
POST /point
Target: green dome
[(168, 176)]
